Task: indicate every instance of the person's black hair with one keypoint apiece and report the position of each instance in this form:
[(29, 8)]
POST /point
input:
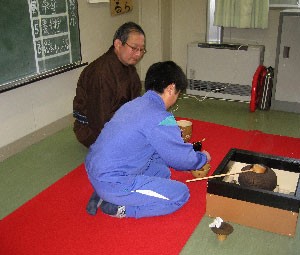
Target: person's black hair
[(161, 74), (123, 31)]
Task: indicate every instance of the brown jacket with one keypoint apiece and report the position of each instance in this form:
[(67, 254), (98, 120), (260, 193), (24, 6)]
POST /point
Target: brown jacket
[(103, 87)]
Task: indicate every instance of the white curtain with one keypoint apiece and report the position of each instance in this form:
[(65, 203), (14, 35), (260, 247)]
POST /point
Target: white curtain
[(242, 13)]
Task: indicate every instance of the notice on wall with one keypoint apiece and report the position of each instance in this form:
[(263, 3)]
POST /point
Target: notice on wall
[(118, 7)]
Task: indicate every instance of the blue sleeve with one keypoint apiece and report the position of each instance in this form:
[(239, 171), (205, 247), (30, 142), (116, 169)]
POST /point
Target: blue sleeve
[(167, 141)]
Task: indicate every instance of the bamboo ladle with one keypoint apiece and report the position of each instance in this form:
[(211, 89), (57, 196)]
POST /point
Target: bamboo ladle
[(256, 168)]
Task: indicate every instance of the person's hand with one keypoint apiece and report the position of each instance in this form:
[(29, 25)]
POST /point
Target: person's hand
[(207, 155), (202, 172), (197, 146)]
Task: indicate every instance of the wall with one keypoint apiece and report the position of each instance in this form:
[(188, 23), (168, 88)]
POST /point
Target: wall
[(188, 25), (267, 37), (166, 31), (150, 20), (27, 109)]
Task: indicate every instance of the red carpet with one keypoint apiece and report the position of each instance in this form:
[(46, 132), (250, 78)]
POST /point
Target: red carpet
[(55, 221)]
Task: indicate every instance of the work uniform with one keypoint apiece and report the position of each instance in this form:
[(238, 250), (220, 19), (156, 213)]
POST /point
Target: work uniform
[(103, 86), (129, 162)]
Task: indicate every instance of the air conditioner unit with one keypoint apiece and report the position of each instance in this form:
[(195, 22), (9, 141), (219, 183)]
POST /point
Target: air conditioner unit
[(222, 70)]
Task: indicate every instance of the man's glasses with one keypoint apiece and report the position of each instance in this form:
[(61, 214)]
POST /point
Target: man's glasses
[(136, 50)]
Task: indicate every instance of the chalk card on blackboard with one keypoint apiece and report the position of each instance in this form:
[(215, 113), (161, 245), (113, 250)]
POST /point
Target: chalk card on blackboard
[(39, 36), (52, 22)]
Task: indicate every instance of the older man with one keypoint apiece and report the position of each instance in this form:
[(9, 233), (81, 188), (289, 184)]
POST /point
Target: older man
[(105, 85)]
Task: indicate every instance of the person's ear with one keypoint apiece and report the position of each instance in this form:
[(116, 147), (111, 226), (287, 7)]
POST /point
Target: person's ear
[(117, 43), (171, 88)]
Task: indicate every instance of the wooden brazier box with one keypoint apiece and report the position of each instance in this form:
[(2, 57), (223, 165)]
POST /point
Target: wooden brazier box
[(274, 211)]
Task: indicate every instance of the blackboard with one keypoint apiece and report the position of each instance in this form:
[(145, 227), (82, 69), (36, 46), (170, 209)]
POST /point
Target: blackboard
[(38, 38)]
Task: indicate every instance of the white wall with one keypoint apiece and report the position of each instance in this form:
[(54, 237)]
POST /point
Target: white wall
[(267, 37), (97, 27), (150, 20), (188, 25), (27, 109)]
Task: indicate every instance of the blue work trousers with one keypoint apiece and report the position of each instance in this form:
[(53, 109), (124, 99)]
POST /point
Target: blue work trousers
[(152, 193)]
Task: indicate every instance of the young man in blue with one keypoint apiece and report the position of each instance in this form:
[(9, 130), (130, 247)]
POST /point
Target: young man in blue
[(129, 163)]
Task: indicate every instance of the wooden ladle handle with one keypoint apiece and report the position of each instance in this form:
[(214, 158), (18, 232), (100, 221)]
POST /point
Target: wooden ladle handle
[(257, 168), (218, 175)]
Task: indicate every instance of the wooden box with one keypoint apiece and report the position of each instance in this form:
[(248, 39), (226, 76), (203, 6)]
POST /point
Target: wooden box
[(274, 211)]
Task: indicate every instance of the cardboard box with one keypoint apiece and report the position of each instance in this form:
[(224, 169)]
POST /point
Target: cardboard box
[(274, 211)]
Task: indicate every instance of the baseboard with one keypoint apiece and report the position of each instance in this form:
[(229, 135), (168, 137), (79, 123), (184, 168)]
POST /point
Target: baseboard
[(285, 106), (28, 140)]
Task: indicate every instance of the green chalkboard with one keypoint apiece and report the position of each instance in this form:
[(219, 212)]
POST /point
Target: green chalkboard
[(38, 38)]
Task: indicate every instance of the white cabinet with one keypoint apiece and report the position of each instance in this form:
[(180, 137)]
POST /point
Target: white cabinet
[(222, 70), (286, 90)]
